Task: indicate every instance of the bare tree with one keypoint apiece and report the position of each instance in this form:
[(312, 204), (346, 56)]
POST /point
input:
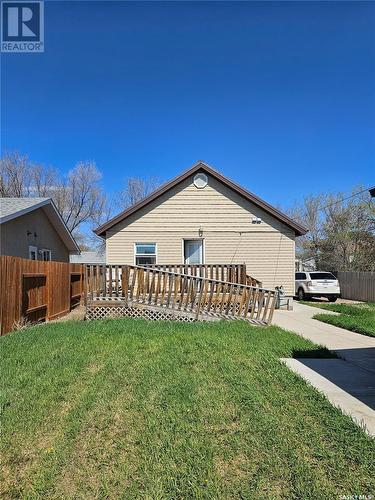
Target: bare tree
[(78, 196), (44, 181), (309, 215), (136, 188), (15, 178), (349, 239), (21, 178), (341, 231)]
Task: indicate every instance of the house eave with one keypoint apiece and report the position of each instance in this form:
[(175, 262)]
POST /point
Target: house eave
[(50, 209), (201, 166)]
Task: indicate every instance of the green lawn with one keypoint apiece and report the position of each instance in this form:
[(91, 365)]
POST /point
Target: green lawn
[(358, 318), (134, 409)]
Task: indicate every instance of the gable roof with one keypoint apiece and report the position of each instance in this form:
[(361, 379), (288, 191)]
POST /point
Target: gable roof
[(200, 166), (12, 208)]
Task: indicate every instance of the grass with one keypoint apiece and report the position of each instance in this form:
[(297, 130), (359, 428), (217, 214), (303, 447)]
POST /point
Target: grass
[(358, 318), (131, 409)]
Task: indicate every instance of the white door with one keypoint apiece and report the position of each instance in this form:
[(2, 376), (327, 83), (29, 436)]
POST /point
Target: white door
[(193, 251)]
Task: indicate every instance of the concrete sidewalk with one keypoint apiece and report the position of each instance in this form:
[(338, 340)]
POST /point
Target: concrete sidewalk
[(349, 382), (345, 385), (354, 347)]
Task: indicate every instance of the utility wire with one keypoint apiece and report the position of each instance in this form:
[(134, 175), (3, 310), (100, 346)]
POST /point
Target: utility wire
[(347, 198), (238, 244)]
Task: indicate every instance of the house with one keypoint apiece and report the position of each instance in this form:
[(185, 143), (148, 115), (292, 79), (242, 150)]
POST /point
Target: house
[(203, 217), (306, 264), (32, 228), (89, 257)]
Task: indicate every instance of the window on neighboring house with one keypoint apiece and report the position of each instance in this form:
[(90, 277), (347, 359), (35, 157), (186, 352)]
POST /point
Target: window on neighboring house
[(33, 252), (46, 254), (145, 254)]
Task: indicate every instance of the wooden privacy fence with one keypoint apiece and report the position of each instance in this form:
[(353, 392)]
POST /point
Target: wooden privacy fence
[(357, 285), (128, 285), (37, 290)]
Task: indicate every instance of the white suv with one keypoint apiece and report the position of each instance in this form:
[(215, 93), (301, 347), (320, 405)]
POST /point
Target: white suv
[(317, 284)]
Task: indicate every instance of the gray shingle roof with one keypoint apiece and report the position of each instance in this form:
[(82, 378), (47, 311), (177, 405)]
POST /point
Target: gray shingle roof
[(10, 206)]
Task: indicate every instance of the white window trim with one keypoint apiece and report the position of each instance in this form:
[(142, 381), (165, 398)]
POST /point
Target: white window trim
[(145, 254), (50, 254), (33, 248), (183, 249)]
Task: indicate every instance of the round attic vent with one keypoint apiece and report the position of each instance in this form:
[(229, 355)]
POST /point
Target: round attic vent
[(200, 180)]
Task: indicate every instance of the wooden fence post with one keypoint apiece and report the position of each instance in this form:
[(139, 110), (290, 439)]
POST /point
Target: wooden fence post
[(47, 271)]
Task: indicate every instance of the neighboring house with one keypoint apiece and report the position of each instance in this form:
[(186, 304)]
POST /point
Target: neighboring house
[(306, 264), (89, 257), (32, 228), (203, 217)]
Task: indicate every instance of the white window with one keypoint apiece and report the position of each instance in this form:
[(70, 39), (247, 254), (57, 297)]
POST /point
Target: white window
[(46, 254), (33, 252), (145, 254)]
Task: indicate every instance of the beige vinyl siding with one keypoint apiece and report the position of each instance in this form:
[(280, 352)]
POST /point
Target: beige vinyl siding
[(266, 248)]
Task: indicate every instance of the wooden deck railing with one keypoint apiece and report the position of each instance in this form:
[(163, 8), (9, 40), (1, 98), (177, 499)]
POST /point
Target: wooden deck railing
[(235, 273), (180, 291)]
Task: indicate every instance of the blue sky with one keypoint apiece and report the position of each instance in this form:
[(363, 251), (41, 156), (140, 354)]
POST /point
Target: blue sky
[(280, 97)]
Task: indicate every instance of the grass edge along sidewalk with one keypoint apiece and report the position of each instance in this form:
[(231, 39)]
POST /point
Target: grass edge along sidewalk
[(135, 409), (359, 318)]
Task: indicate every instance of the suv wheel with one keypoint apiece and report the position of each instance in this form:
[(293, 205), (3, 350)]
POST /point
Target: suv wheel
[(332, 299), (300, 294)]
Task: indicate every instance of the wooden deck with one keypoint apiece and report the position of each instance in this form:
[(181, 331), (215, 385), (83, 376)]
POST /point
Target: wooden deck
[(167, 292)]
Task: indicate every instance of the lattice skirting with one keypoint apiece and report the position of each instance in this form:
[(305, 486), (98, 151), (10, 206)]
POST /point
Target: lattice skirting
[(232, 310), (100, 312)]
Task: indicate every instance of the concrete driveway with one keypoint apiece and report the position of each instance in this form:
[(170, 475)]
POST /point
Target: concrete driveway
[(348, 382)]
